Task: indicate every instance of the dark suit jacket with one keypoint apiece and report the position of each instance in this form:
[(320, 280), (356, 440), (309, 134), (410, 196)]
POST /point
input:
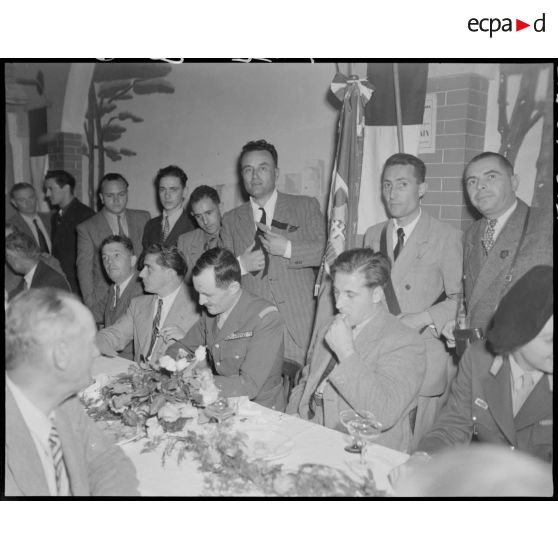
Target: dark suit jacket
[(93, 281), (480, 403), (246, 353), (21, 225), (192, 246), (44, 276), (153, 230), (485, 276), (289, 283), (64, 238), (112, 314), (95, 466)]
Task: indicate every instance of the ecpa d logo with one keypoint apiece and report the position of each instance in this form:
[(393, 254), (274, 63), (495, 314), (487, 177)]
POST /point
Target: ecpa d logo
[(494, 24)]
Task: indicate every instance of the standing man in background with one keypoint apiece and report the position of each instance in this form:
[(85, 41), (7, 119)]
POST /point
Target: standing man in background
[(204, 207), (170, 183), (113, 219), (60, 186), (279, 239)]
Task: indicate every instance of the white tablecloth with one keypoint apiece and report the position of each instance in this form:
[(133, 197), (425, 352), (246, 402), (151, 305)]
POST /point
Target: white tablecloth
[(311, 443)]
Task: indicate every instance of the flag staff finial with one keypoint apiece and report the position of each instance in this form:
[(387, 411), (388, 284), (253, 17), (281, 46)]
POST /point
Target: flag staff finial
[(398, 108)]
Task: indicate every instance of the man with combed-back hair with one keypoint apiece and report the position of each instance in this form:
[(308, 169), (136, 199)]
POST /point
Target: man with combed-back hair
[(243, 333), (52, 448)]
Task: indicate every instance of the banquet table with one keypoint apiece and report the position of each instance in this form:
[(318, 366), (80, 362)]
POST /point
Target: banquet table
[(308, 443)]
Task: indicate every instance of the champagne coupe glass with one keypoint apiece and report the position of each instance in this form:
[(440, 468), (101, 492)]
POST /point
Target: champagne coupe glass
[(346, 417), (368, 431)]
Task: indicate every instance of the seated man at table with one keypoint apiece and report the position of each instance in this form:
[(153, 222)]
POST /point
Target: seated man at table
[(502, 393), (23, 256), (52, 447), (170, 304), (119, 262), (365, 359), (243, 333)]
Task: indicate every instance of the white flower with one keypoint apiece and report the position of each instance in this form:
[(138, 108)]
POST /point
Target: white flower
[(169, 412), (154, 429), (200, 353), (210, 394), (167, 363), (181, 364)]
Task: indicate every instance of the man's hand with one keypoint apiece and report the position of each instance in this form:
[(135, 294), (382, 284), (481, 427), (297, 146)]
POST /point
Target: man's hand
[(252, 261), (339, 337), (416, 320), (172, 333), (447, 332), (274, 243)]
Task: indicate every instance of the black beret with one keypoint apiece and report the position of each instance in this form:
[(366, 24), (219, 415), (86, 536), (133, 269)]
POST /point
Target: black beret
[(523, 311)]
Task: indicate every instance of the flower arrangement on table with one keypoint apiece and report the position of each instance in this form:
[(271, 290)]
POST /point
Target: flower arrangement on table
[(156, 399), (229, 470)]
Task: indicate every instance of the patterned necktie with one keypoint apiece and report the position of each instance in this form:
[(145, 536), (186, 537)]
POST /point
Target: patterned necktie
[(120, 229), (210, 243), (166, 228), (42, 240), (62, 482), (488, 238), (155, 329), (400, 242), (258, 244), (116, 295)]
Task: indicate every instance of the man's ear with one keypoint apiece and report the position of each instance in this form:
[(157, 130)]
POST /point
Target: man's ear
[(134, 261), (515, 182), (234, 287), (377, 295), (276, 175), (61, 354), (422, 189)]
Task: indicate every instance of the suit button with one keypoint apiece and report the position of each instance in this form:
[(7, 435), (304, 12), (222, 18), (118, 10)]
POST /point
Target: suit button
[(408, 287), (512, 447), (236, 356), (217, 364), (216, 345)]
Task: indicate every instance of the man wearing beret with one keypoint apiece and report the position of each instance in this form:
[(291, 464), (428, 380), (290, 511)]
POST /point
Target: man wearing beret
[(502, 393)]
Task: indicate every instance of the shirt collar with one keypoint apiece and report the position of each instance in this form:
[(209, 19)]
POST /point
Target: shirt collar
[(269, 208), (517, 372), (222, 318), (410, 227), (124, 283), (503, 219), (31, 218), (28, 277)]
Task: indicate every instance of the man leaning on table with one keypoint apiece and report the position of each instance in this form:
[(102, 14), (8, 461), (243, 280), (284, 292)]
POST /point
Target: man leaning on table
[(170, 304), (243, 333), (502, 393), (365, 359), (52, 447)]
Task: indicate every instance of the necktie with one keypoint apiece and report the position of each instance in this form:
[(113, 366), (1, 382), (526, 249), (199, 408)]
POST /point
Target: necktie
[(42, 240), (120, 229), (312, 404), (116, 295), (488, 238), (210, 243), (166, 228), (522, 388), (155, 329), (400, 242), (62, 482), (258, 244)]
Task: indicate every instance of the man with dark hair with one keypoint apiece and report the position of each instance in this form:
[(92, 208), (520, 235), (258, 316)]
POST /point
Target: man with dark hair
[(59, 186), (502, 393), (24, 257), (426, 274), (170, 183), (52, 447), (119, 261), (279, 240), (169, 307), (27, 219), (114, 219), (204, 207), (365, 359), (242, 332), (499, 248)]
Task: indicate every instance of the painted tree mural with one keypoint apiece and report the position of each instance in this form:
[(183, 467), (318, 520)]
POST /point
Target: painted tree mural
[(104, 124)]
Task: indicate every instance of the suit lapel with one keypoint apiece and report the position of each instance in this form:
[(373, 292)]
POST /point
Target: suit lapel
[(497, 389), (22, 225), (246, 229), (536, 406), (413, 248)]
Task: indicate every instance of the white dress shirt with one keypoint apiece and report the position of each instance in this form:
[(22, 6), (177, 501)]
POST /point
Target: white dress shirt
[(28, 277), (112, 220), (519, 394), (173, 216), (31, 224), (168, 301), (407, 229), (503, 219)]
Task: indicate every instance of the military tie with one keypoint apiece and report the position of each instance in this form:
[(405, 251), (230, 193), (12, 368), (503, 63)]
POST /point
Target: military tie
[(166, 228), (400, 242), (258, 244), (120, 228), (155, 329), (62, 481), (42, 240), (488, 238), (116, 295)]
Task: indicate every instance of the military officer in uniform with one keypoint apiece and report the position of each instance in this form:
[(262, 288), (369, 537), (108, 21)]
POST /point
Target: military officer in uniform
[(243, 333)]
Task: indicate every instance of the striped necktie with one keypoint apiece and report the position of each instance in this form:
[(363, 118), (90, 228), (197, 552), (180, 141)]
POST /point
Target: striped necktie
[(258, 244), (62, 481), (42, 240), (166, 228), (155, 329), (120, 228), (116, 295)]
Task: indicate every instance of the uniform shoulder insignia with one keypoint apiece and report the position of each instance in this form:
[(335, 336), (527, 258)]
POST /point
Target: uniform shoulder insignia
[(266, 311)]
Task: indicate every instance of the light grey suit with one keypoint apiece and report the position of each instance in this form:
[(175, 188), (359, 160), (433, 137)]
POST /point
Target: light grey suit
[(430, 264), (289, 283), (21, 224), (383, 376), (136, 324), (93, 282), (95, 466)]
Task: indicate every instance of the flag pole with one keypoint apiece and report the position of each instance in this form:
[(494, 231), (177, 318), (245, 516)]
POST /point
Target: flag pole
[(398, 108)]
